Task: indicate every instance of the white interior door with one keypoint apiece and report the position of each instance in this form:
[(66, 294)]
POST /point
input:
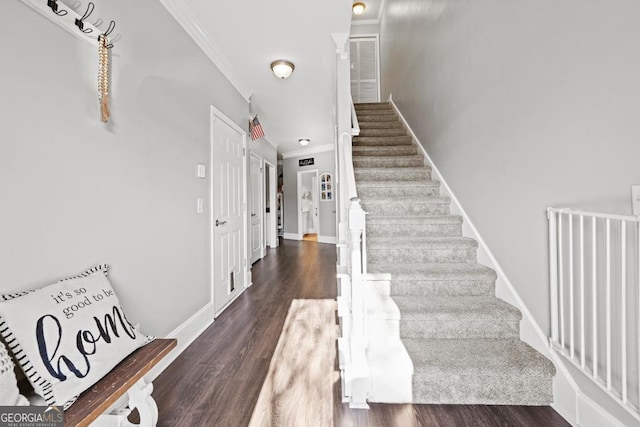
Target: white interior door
[(227, 197), (256, 208), (365, 71), (307, 195)]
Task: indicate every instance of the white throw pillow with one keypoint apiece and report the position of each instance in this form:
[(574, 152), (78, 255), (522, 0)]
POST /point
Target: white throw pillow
[(9, 394), (68, 335)]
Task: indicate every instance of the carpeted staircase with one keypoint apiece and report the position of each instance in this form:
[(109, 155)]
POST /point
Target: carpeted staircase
[(437, 333)]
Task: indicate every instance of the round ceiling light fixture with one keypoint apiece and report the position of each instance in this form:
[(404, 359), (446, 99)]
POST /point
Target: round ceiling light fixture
[(304, 141), (282, 68), (358, 8)]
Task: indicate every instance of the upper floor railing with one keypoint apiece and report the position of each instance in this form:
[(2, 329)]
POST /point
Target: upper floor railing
[(594, 264)]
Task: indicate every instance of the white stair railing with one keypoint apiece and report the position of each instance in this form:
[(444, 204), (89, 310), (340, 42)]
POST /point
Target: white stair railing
[(352, 259), (594, 264)]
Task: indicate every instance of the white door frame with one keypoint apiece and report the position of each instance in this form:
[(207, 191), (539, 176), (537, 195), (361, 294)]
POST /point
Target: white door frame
[(315, 196), (219, 115), (273, 205), (261, 210)]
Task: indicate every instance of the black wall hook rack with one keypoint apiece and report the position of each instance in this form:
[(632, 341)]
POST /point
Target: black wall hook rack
[(53, 5), (80, 21)]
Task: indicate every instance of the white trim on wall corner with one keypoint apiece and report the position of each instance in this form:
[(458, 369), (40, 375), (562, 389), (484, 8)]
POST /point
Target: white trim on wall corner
[(307, 151), (186, 18), (292, 236)]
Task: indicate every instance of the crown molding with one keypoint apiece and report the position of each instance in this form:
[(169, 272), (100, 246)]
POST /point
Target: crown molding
[(185, 17), (307, 151)]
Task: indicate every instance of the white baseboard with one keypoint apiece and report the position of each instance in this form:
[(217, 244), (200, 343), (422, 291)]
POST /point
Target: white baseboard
[(590, 414), (327, 239), (530, 331), (186, 333), (292, 236)]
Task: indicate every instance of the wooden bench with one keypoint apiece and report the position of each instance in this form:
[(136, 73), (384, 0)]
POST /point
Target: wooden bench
[(126, 378)]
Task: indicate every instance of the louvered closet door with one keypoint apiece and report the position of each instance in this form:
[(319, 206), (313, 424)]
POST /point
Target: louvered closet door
[(364, 69)]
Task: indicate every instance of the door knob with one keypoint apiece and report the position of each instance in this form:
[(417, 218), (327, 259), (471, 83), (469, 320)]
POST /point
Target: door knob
[(218, 222)]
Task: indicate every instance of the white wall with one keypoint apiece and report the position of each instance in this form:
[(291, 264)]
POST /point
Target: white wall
[(521, 105), (75, 192), (367, 29)]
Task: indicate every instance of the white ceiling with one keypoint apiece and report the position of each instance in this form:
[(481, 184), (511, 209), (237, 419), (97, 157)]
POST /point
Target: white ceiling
[(245, 36), (372, 12)]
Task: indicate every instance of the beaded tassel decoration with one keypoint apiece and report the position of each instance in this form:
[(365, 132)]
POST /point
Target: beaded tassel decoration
[(103, 77)]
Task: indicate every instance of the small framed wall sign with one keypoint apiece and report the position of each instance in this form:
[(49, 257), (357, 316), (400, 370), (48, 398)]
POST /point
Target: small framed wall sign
[(326, 187), (306, 162)]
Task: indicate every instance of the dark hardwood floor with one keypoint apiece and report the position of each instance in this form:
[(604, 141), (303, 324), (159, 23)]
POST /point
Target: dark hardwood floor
[(216, 381)]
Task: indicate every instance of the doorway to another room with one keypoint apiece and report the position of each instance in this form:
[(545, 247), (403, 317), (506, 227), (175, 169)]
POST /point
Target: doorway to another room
[(308, 212)]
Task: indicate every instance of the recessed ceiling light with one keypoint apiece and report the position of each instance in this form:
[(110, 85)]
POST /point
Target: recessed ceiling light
[(358, 8), (304, 141), (282, 68)]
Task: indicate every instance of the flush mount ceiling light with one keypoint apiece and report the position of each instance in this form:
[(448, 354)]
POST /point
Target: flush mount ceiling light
[(358, 8), (282, 69), (304, 141)]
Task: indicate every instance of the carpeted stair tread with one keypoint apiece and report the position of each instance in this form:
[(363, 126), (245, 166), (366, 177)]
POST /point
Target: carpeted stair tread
[(366, 130), (413, 220), (365, 117), (479, 371), (412, 173), (371, 105), (456, 317), (422, 242), (415, 160), (381, 141), (397, 184), (442, 271), (467, 308), (382, 126), (376, 112), (384, 150), (407, 199), (475, 355), (406, 206)]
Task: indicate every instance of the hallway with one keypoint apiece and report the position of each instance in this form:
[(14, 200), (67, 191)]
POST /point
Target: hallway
[(217, 380)]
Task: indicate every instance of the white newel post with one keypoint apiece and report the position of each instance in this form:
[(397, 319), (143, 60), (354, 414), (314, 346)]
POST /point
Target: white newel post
[(359, 366)]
